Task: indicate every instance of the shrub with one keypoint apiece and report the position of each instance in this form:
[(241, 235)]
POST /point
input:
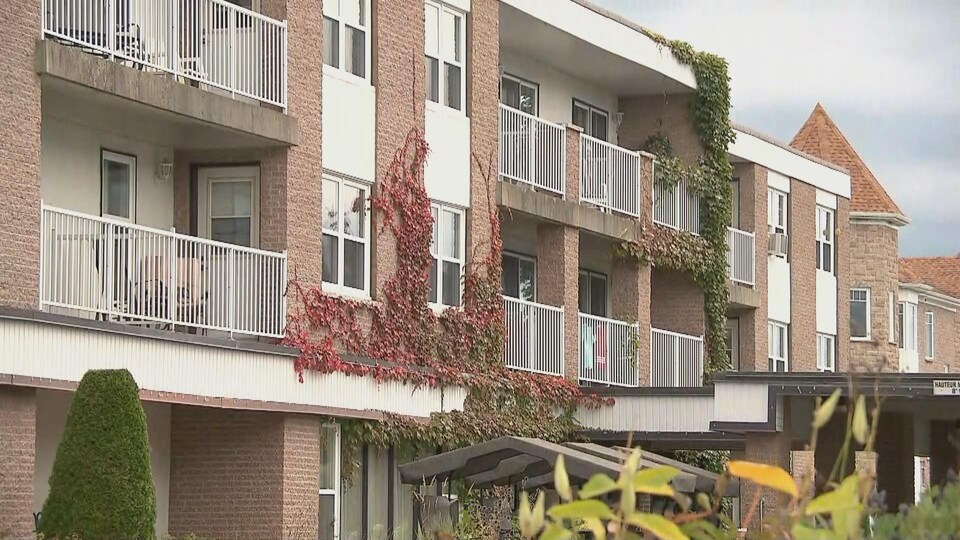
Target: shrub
[(101, 486)]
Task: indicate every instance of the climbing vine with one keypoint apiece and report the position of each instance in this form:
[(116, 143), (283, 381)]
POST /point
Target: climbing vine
[(704, 257), (410, 342)]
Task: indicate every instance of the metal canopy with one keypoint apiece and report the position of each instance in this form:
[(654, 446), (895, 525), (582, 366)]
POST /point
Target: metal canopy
[(530, 462)]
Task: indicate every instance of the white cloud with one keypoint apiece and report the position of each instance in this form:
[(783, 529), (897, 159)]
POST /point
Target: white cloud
[(926, 191)]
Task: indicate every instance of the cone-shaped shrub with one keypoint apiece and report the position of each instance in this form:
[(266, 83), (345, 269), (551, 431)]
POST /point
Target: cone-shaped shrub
[(101, 485)]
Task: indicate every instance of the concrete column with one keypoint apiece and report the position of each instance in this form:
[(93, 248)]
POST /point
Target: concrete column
[(558, 259), (771, 449), (631, 281), (573, 162), (801, 224), (801, 465), (895, 459), (18, 419)]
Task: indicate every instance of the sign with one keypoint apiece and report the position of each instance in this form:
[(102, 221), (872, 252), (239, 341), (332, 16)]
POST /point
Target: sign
[(946, 388)]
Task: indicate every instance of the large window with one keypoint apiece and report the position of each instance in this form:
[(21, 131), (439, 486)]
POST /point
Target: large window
[(826, 353), (929, 335), (519, 277), (777, 347), (593, 293), (907, 319), (777, 211), (329, 514), (594, 121), (860, 313), (520, 94), (444, 55), (346, 236), (346, 34), (118, 177), (446, 247), (824, 239)]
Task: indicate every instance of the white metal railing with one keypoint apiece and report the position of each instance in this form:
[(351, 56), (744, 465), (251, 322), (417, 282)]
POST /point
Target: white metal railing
[(675, 207), (608, 351), (532, 150), (741, 256), (213, 42), (609, 176), (534, 336), (134, 274), (676, 360)]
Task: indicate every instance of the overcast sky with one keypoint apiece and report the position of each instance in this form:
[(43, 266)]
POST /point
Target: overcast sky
[(887, 72)]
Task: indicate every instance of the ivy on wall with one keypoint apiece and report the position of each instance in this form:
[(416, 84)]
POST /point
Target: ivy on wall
[(703, 257)]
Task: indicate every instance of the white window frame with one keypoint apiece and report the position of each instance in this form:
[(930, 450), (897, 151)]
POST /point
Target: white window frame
[(778, 357), (130, 161), (439, 257), (929, 335), (907, 315), (777, 200), (535, 86), (892, 316), (590, 275), (866, 300), (827, 362), (591, 109), (339, 287), (825, 237), (335, 491), (341, 69), (442, 97), (531, 260)]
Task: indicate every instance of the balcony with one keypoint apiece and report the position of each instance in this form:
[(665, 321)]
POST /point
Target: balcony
[(609, 176), (211, 43), (608, 351), (532, 151), (534, 336), (131, 274), (675, 207), (741, 256), (676, 360)]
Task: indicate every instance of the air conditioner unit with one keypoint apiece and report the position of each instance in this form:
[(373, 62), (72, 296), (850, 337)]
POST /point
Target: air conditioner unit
[(777, 244)]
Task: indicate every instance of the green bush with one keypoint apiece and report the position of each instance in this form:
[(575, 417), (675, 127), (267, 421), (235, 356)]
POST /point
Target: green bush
[(101, 485), (936, 516)]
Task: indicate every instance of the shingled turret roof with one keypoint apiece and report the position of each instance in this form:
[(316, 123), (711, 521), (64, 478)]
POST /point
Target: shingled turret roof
[(821, 137)]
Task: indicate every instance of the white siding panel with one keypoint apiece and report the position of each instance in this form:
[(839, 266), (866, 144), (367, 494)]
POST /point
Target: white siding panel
[(778, 289), (691, 413), (826, 303), (775, 158), (446, 174), (778, 181), (827, 200), (349, 123), (740, 402), (56, 352)]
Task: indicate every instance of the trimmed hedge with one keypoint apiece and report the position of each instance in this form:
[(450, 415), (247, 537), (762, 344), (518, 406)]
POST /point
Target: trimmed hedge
[(101, 486)]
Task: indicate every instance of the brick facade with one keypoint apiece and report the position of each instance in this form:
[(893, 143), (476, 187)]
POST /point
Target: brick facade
[(753, 217), (877, 243), (771, 449), (946, 339), (644, 116), (843, 249), (558, 253), (802, 227), (676, 302), (18, 419), (243, 474), (631, 302)]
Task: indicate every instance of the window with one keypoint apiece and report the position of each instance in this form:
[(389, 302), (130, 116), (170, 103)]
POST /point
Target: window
[(520, 94), (519, 277), (329, 514), (231, 211), (594, 121), (118, 179), (777, 347), (593, 293), (907, 319), (777, 211), (860, 313), (346, 241), (446, 270), (731, 343), (928, 331), (345, 35), (824, 239), (826, 353), (444, 50), (892, 317)]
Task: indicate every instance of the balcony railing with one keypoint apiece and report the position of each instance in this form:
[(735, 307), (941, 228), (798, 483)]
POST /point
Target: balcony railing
[(133, 274), (608, 351), (532, 150), (534, 336), (741, 256), (675, 207), (609, 176), (676, 360), (212, 42)]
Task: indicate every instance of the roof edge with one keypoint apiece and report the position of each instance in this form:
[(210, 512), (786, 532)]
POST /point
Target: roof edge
[(931, 292), (896, 220), (767, 138)]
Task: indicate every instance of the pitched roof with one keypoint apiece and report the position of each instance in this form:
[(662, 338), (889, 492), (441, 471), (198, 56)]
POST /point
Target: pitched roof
[(941, 273), (820, 136)]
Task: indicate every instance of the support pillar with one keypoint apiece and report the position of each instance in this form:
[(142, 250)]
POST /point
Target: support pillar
[(558, 260), (632, 303), (771, 449), (18, 420)]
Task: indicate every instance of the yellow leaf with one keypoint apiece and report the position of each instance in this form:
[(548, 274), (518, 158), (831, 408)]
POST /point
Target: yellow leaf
[(599, 484), (525, 521), (841, 499), (561, 482), (659, 526), (765, 475), (555, 532), (861, 427), (537, 518), (825, 410), (586, 508), (655, 476), (596, 527), (802, 532), (662, 490), (629, 468)]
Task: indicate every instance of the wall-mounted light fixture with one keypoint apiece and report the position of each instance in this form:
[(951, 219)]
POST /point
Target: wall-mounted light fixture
[(164, 170)]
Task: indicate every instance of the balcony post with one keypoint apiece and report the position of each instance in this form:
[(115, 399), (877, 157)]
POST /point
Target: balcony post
[(558, 263), (572, 134)]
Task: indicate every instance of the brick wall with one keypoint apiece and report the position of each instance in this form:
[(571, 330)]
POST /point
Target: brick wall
[(398, 73), (19, 156), (558, 255), (18, 418), (644, 116), (803, 276), (630, 287), (753, 217), (676, 302), (878, 244), (242, 474), (945, 324), (844, 261), (771, 449)]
